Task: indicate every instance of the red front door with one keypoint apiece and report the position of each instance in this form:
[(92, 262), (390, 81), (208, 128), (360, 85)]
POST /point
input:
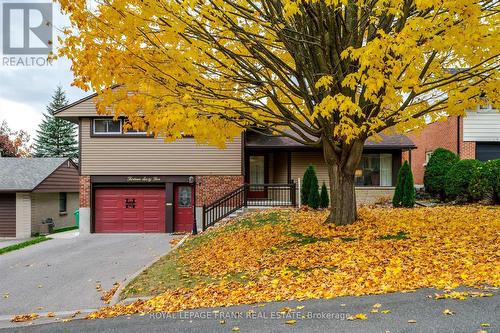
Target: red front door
[(183, 208), (129, 210)]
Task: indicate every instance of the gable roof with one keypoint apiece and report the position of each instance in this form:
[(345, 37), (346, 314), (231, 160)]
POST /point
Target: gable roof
[(256, 140), (24, 174), (84, 107)]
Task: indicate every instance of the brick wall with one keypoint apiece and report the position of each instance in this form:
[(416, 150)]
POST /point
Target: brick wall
[(84, 191), (441, 134), (211, 188)]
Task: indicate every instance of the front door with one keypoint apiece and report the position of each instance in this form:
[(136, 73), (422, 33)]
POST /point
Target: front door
[(183, 208), (257, 175)]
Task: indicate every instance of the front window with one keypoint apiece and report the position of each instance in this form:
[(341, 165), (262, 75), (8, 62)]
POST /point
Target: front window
[(374, 170), (107, 126)]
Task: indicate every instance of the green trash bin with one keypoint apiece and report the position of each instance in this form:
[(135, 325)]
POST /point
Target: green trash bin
[(77, 217)]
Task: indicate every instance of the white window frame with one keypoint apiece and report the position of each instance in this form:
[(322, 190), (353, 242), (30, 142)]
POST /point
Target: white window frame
[(428, 155), (107, 133)]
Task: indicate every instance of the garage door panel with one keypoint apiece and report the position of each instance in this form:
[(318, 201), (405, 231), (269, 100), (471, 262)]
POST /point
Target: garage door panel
[(487, 151), (7, 215), (130, 210)]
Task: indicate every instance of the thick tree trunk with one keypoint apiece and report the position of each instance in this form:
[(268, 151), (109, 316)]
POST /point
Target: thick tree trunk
[(341, 168)]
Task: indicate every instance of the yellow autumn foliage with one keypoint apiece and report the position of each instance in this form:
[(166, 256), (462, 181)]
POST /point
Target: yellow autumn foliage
[(287, 254), (337, 69)]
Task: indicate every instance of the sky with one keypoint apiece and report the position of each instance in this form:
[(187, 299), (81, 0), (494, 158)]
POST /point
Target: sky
[(26, 90)]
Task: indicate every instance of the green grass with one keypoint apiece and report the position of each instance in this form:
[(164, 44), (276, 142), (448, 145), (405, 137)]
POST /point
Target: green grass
[(24, 244), (55, 231), (399, 236), (170, 272)]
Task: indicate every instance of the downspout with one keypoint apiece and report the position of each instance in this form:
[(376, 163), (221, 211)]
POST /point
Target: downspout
[(458, 136)]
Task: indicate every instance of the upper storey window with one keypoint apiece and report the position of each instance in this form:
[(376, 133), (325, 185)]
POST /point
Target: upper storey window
[(107, 126)]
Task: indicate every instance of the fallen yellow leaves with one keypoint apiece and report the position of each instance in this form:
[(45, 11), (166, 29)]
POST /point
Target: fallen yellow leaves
[(24, 317), (448, 312), (359, 316), (283, 254), (461, 295), (108, 295)]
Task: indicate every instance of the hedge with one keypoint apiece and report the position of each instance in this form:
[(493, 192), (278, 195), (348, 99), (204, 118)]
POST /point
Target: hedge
[(440, 162), (458, 179)]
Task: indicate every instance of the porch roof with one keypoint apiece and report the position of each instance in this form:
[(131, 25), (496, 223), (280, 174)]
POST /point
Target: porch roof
[(260, 141)]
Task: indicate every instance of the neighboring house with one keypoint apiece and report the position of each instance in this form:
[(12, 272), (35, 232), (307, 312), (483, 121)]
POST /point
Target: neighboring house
[(34, 189), (475, 136), (130, 182)]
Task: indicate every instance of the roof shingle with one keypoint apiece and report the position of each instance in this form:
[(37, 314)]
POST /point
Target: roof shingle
[(24, 174)]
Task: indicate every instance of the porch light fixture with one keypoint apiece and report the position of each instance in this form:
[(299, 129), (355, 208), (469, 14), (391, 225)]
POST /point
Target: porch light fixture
[(359, 173), (191, 180)]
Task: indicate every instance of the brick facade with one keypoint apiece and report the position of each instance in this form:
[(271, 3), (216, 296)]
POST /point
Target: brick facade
[(85, 191), (442, 134), (211, 188), (468, 150)]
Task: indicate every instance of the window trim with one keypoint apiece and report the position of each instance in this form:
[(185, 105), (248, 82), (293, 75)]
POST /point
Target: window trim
[(106, 133), (120, 134), (378, 154), (63, 197)]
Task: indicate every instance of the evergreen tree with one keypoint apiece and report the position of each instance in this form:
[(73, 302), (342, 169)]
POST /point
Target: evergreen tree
[(306, 185), (313, 199), (404, 195), (324, 200), (56, 137)]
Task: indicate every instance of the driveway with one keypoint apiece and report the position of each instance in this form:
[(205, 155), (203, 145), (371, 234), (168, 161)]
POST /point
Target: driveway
[(63, 273)]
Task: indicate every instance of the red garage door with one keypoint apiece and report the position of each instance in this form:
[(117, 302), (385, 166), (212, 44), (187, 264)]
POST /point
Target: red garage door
[(129, 210)]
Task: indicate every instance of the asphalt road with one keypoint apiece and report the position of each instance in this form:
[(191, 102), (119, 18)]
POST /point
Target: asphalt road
[(320, 316), (62, 274)]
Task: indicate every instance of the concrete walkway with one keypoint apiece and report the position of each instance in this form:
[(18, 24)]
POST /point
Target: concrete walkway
[(64, 273)]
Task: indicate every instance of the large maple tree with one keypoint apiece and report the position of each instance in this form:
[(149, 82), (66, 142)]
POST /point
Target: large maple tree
[(326, 73)]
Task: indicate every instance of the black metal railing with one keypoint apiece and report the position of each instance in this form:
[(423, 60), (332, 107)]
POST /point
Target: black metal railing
[(249, 195), (224, 206), (271, 195)]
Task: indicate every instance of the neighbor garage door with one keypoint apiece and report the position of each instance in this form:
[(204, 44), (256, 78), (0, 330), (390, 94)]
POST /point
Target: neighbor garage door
[(129, 210), (7, 215), (486, 151)]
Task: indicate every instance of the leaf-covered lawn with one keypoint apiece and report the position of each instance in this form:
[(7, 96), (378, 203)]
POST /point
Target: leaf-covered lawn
[(283, 254)]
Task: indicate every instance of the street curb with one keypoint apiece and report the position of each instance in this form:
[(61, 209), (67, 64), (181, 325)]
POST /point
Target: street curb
[(116, 297), (59, 316)]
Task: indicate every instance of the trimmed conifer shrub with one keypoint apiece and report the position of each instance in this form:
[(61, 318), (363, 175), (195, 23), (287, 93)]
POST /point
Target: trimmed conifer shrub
[(439, 164), (305, 187), (313, 199), (324, 199), (404, 195)]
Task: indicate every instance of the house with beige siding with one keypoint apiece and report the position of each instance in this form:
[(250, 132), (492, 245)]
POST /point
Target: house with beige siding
[(33, 190), (132, 182)]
